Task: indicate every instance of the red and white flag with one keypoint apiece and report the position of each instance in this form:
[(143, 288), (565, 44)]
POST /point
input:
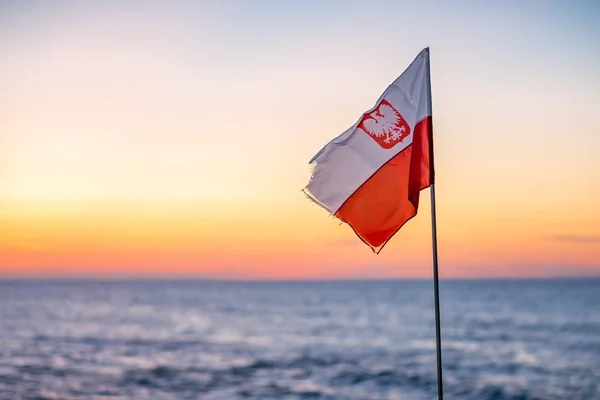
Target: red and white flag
[(371, 175)]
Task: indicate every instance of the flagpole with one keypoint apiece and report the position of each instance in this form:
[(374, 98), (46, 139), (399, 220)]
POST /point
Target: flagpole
[(436, 293), (436, 289)]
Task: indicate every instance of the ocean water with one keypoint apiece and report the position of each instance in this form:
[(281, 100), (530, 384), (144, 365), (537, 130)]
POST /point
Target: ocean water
[(298, 340)]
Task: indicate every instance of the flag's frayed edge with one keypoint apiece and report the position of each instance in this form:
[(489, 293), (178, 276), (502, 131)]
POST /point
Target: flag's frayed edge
[(306, 191), (312, 198)]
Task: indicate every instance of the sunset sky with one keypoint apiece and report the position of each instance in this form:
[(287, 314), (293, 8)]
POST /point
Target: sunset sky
[(172, 138)]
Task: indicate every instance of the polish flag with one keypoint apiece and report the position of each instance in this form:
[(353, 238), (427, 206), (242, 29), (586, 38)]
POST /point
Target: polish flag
[(371, 175)]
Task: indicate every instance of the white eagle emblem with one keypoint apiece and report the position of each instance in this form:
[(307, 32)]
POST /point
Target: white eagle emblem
[(385, 125)]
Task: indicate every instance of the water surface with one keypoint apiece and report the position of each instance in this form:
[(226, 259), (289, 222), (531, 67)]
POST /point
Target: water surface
[(298, 340)]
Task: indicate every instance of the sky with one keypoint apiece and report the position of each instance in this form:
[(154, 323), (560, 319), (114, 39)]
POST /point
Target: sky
[(172, 138)]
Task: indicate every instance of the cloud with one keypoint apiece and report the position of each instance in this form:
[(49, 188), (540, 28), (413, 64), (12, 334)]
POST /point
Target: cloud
[(576, 238)]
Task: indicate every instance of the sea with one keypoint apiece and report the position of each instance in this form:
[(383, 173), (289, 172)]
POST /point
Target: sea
[(194, 339)]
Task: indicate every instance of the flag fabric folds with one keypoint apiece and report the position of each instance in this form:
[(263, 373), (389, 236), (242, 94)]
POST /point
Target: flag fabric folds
[(371, 175)]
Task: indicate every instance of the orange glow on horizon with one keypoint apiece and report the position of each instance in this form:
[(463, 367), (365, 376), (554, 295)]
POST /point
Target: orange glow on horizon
[(205, 241)]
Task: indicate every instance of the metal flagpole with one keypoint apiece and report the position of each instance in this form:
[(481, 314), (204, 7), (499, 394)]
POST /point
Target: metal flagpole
[(436, 292), (436, 289)]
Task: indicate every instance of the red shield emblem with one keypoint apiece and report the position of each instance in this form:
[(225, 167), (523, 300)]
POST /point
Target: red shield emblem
[(385, 125)]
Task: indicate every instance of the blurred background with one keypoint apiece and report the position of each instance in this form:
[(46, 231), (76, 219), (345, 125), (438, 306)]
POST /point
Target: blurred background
[(155, 243)]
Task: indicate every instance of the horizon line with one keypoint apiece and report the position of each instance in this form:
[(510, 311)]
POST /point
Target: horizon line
[(199, 279)]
